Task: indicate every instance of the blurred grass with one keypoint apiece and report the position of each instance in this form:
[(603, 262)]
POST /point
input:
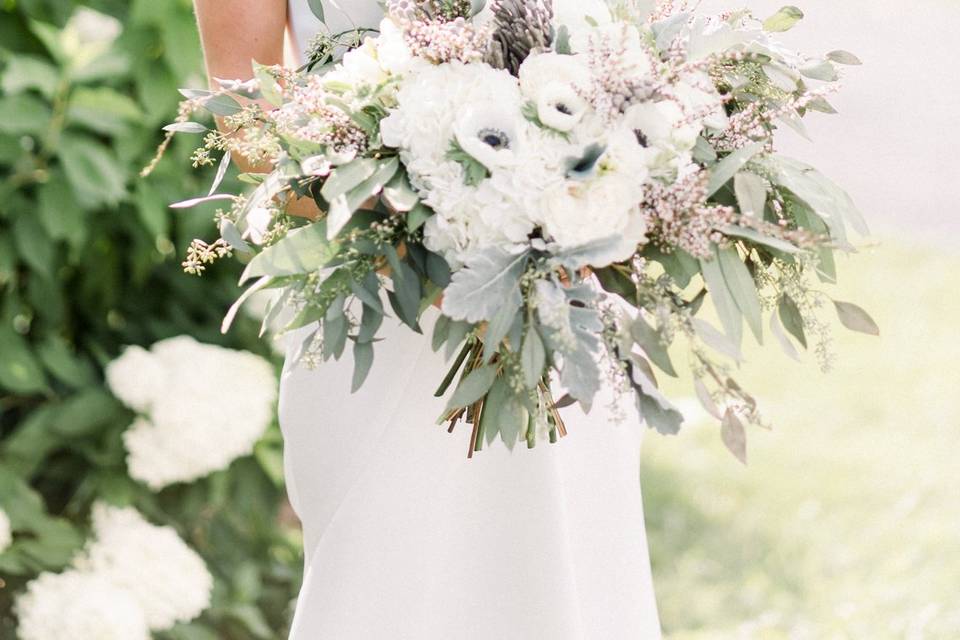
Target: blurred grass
[(846, 524)]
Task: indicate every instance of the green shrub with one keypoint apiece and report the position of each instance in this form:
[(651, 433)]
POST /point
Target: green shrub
[(89, 264)]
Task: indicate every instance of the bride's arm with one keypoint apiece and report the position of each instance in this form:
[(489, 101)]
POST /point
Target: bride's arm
[(234, 33)]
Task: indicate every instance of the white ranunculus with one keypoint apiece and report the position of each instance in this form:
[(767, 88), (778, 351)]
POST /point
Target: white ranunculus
[(490, 134), (576, 213), (6, 531), (542, 70), (77, 605), (560, 107), (359, 67), (167, 578), (203, 407)]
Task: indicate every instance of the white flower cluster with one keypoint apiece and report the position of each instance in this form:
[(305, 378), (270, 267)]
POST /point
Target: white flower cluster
[(6, 531), (202, 407), (503, 160), (132, 578)]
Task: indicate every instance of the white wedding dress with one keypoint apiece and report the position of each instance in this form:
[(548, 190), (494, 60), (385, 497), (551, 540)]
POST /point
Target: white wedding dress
[(406, 538)]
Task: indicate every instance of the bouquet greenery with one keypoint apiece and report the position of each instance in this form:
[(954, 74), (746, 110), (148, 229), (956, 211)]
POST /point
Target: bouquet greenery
[(569, 182)]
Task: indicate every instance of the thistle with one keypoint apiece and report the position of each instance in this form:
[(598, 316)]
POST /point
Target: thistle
[(520, 28)]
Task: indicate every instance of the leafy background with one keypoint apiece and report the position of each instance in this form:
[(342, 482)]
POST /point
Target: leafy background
[(845, 524)]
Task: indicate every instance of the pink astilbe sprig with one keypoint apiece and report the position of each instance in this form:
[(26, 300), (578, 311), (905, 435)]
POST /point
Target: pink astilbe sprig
[(679, 216), (441, 41), (308, 115)]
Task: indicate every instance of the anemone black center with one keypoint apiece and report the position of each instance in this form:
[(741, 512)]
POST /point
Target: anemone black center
[(564, 109), (495, 138), (641, 138)]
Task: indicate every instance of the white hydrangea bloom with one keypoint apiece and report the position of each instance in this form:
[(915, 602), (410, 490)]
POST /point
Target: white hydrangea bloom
[(6, 531), (78, 605), (167, 578), (204, 406)]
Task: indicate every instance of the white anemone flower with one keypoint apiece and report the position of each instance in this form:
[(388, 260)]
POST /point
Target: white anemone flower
[(489, 134), (78, 605), (560, 107), (168, 579)]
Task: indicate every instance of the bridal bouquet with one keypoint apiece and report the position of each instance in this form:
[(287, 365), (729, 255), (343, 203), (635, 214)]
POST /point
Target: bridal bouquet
[(568, 182)]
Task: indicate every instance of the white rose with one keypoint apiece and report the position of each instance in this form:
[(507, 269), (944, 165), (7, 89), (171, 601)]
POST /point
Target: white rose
[(359, 66)]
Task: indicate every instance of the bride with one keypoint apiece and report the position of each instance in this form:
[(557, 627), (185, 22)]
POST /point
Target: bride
[(403, 536)]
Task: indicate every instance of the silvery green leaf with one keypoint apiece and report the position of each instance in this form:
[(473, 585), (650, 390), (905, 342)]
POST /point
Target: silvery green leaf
[(759, 238), (492, 405), (192, 202), (498, 328), (362, 362), (346, 177), (473, 387), (706, 401), (716, 340), (370, 322), (655, 408), (438, 270), (186, 127), (407, 290), (742, 287), (418, 216), (302, 250), (703, 151), (513, 418), (828, 200), (596, 253), (259, 285), (580, 375), (855, 318), (822, 70), (792, 120), (222, 105), (230, 233), (488, 281), (792, 319), (270, 89), (441, 331), (783, 20), (781, 77), (706, 41), (316, 7), (221, 172), (562, 42), (344, 206), (651, 341), (335, 329), (399, 194), (533, 358), (457, 334), (777, 330), (727, 309), (734, 436), (843, 57), (368, 295), (730, 165), (751, 191), (821, 105)]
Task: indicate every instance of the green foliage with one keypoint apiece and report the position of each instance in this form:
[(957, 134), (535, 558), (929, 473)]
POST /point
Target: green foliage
[(88, 265)]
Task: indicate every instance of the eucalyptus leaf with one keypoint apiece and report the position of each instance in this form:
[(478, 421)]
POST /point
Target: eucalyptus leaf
[(716, 340), (734, 436), (533, 358), (259, 285), (751, 191), (362, 363), (652, 343), (855, 318), (727, 168), (418, 216), (843, 57), (186, 127), (399, 194), (761, 239), (730, 315), (498, 328), (792, 319), (776, 328), (783, 20), (301, 251), (742, 287), (473, 387)]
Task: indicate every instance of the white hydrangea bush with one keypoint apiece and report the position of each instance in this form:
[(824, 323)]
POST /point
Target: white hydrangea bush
[(201, 407)]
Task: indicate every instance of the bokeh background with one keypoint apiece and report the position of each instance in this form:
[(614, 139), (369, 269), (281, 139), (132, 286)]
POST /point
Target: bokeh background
[(845, 524)]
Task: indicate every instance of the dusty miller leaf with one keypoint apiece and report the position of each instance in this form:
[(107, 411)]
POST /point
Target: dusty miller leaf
[(486, 283)]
